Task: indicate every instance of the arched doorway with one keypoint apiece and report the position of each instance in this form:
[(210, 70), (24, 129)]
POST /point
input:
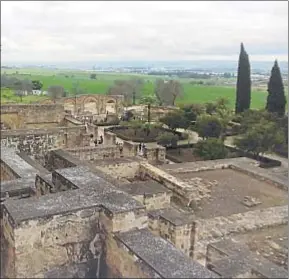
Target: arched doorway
[(110, 106), (90, 106)]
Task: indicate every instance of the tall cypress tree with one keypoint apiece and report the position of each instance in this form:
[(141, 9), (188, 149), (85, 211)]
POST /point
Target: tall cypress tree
[(276, 100), (243, 94)]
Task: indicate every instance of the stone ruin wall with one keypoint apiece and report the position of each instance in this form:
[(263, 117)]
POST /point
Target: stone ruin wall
[(205, 231), (121, 170), (95, 153), (154, 201), (215, 229), (192, 239), (19, 116), (7, 244), (181, 236), (124, 263), (38, 142), (6, 172), (91, 103), (178, 187), (69, 239), (130, 148)]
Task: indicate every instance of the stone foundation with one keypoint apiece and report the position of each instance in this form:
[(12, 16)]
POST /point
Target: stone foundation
[(213, 230)]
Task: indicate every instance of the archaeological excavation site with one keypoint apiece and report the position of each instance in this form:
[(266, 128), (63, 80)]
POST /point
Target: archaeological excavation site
[(80, 199)]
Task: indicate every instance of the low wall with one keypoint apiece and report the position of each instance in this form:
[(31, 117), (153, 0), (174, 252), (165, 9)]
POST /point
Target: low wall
[(154, 201), (265, 161), (188, 195), (120, 168), (95, 153), (215, 229)]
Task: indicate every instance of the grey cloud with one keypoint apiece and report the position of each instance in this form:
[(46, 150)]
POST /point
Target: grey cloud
[(141, 30)]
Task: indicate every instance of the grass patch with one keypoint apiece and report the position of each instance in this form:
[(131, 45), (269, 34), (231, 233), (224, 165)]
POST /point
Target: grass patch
[(202, 94), (67, 79)]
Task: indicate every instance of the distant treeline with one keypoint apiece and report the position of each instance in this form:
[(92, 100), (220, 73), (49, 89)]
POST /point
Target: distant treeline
[(188, 74)]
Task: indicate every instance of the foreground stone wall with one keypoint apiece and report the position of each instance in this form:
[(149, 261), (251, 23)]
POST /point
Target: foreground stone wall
[(32, 115), (64, 240), (91, 229), (214, 229), (7, 245), (123, 263)]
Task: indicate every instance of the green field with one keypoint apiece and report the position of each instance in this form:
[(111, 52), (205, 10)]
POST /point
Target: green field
[(67, 79)]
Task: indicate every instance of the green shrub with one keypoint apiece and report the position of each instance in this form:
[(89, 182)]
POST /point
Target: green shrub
[(209, 126), (168, 139), (260, 138), (211, 149)]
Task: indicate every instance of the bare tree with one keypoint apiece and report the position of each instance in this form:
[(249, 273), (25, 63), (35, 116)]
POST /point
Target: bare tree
[(130, 89), (55, 91), (77, 89), (168, 91), (17, 87), (22, 87)]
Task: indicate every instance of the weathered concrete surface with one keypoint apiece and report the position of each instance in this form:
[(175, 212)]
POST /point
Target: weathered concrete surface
[(15, 165), (17, 188)]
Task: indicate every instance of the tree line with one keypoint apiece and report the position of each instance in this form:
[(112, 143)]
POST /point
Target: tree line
[(276, 100)]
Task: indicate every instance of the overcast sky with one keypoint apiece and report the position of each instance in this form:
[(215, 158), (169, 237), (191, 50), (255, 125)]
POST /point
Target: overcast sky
[(91, 31)]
